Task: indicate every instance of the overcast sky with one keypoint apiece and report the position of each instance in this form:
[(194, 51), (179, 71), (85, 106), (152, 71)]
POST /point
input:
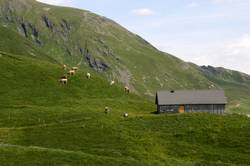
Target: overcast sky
[(206, 32)]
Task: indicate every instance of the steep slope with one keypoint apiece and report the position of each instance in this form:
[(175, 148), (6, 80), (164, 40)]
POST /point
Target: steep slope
[(78, 37), (45, 123)]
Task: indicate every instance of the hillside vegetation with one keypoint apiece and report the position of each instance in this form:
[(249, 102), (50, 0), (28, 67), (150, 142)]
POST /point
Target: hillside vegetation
[(81, 38), (45, 123), (77, 37), (72, 36)]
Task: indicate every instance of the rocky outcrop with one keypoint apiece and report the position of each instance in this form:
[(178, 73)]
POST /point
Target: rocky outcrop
[(95, 64), (24, 29), (65, 25), (35, 34), (225, 74), (48, 23), (209, 69)]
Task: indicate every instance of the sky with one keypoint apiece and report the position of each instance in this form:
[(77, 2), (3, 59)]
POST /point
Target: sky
[(205, 32)]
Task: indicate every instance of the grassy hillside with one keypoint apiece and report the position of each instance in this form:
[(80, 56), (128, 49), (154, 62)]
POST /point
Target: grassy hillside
[(45, 123), (72, 36), (81, 38)]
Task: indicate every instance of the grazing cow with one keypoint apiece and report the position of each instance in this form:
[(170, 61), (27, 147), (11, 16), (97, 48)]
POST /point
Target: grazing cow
[(88, 75), (72, 72), (125, 115), (64, 77), (107, 110), (126, 89), (75, 68), (64, 67), (64, 81), (112, 82)]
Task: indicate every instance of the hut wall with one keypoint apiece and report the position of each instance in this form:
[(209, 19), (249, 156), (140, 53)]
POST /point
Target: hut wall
[(212, 108), (209, 108), (168, 108)]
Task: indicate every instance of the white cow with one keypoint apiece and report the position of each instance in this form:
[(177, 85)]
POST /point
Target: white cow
[(64, 67), (75, 68), (126, 89), (88, 75), (107, 110), (64, 80), (125, 115), (112, 82), (72, 72)]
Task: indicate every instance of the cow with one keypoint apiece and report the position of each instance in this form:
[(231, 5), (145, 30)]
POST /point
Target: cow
[(64, 67), (64, 80), (71, 72), (88, 75), (126, 89), (75, 68), (112, 82)]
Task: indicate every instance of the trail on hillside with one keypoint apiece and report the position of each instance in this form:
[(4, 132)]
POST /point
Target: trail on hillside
[(43, 124), (57, 150)]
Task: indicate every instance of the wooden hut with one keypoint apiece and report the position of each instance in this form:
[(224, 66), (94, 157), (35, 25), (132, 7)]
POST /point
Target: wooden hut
[(211, 101)]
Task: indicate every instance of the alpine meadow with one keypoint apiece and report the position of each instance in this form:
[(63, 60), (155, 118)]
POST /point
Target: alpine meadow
[(54, 114)]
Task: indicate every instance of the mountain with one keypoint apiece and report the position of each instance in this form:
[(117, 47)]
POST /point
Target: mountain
[(43, 122), (80, 38), (77, 37)]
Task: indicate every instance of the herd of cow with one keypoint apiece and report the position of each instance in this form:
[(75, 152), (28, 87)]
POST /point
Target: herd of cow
[(72, 72)]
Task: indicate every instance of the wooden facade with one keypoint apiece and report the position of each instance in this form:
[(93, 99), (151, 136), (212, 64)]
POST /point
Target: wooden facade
[(209, 108)]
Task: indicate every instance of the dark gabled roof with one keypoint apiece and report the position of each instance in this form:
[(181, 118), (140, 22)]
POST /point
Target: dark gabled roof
[(190, 97)]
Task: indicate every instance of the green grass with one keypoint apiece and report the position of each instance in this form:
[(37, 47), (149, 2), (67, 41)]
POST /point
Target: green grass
[(45, 123)]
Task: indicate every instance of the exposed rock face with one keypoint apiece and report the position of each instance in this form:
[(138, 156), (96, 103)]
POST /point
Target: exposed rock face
[(35, 34), (209, 69), (65, 25), (61, 31), (24, 29), (225, 74), (7, 16), (48, 23), (92, 62)]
